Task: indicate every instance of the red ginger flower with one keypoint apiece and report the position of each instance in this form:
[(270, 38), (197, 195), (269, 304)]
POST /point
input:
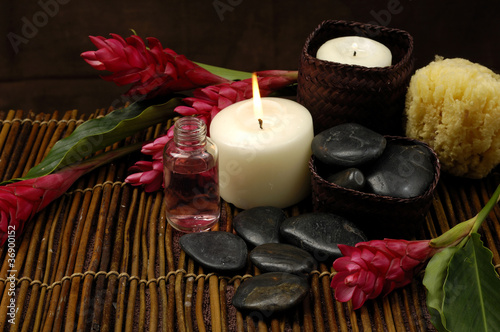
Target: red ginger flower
[(150, 174), (151, 70), (19, 201), (377, 267)]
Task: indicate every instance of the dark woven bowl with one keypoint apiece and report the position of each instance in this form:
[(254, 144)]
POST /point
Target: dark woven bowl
[(378, 216), (336, 93)]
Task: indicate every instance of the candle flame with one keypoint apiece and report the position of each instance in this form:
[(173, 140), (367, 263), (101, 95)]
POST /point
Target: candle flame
[(257, 102), (355, 48)]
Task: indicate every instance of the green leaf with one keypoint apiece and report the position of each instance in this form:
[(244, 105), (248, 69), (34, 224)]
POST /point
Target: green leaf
[(434, 278), (229, 74), (102, 158), (96, 134), (472, 290)]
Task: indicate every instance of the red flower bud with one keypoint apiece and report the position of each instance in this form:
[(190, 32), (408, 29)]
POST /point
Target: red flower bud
[(377, 267), (151, 70), (19, 201)]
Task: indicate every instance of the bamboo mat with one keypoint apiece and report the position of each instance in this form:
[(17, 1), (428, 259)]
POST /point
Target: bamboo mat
[(103, 258)]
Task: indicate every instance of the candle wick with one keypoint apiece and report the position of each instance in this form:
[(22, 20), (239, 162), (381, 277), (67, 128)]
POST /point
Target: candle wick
[(260, 123), (354, 53)]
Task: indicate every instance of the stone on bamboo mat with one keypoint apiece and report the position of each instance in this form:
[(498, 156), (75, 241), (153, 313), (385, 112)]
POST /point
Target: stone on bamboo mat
[(259, 225), (219, 251), (281, 257), (271, 292), (319, 233)]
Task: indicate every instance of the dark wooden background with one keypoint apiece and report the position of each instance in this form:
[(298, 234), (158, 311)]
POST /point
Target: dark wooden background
[(41, 68)]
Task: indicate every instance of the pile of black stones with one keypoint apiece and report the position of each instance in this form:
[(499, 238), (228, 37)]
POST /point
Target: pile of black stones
[(284, 249), (355, 157)]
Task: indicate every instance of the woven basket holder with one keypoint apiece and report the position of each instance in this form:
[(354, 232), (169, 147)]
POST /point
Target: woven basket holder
[(376, 215), (336, 93)]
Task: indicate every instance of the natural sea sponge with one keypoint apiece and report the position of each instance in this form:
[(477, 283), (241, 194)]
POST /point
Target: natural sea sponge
[(453, 105)]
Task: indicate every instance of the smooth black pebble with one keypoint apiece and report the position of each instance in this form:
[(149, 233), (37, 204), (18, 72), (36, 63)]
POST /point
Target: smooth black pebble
[(259, 225), (403, 171), (347, 145), (319, 233), (217, 250), (271, 292), (281, 257), (351, 178)]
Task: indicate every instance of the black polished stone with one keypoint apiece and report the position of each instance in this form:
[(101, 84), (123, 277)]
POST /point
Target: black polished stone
[(403, 171), (319, 233), (281, 257), (351, 178), (347, 145), (218, 250), (271, 292), (259, 225)]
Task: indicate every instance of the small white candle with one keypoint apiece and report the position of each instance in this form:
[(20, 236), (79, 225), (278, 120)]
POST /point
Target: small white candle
[(354, 50), (268, 165)]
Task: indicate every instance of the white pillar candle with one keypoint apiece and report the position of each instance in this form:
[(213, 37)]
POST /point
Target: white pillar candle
[(354, 50), (265, 166)]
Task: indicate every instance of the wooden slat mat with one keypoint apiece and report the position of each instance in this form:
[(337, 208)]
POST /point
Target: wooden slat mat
[(102, 256)]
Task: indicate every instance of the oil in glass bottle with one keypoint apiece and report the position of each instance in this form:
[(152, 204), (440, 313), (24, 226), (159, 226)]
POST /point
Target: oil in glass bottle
[(191, 179)]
